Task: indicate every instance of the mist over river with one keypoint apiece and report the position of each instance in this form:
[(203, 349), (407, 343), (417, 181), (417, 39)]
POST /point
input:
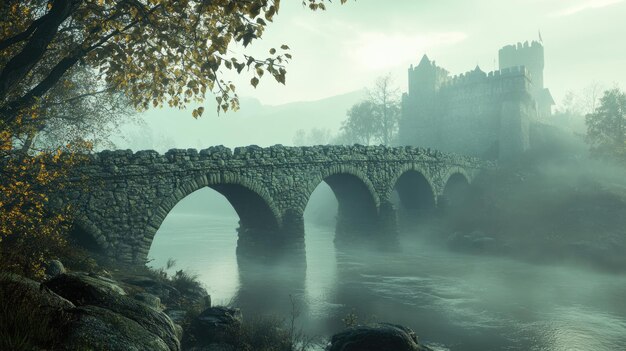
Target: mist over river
[(453, 301)]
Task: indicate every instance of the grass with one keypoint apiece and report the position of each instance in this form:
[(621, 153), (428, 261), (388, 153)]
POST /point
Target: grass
[(273, 333), (184, 281), (269, 333), (23, 323)]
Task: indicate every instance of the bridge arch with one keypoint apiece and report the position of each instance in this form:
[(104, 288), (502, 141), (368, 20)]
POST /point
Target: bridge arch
[(358, 202), (251, 201), (455, 187), (414, 187), (456, 172)]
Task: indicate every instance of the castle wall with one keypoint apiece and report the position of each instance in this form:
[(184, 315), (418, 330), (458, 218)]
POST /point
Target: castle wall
[(478, 114)]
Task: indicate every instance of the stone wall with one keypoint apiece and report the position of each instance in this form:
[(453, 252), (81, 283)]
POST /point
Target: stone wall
[(468, 114), (121, 198), (476, 113)]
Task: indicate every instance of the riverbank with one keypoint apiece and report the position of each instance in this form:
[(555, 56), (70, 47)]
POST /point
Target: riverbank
[(145, 309), (552, 210)]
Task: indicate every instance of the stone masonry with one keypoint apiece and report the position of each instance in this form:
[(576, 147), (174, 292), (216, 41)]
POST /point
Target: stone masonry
[(120, 198), (482, 114)]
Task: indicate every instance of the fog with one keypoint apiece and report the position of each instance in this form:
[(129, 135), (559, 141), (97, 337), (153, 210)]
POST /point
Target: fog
[(456, 296), (529, 257)]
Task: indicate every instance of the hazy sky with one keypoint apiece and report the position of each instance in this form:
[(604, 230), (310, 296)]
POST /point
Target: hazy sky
[(347, 47)]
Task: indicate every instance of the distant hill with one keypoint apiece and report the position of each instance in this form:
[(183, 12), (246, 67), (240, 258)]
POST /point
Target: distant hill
[(254, 123)]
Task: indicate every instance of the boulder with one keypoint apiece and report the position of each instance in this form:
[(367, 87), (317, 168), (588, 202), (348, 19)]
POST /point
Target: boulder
[(150, 300), (30, 317), (214, 325), (377, 337), (98, 329), (168, 294), (54, 268), (16, 286), (89, 290), (176, 315), (84, 285)]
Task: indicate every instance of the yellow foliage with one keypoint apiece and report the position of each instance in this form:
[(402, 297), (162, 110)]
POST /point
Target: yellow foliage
[(30, 231)]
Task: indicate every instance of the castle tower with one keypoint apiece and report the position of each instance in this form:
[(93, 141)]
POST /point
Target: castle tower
[(418, 123), (426, 78), (530, 56)]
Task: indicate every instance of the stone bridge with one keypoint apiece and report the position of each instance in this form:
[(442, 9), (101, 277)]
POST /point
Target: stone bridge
[(121, 198)]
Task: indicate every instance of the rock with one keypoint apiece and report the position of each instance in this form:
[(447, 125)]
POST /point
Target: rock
[(84, 287), (169, 295), (54, 268), (214, 325), (150, 300), (46, 304), (45, 299), (377, 337), (177, 316), (99, 329), (213, 347), (179, 331), (86, 290)]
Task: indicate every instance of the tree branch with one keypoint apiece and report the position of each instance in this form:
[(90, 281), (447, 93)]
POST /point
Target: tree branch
[(8, 111), (21, 36), (33, 51)]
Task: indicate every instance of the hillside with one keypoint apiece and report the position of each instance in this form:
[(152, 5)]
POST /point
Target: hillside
[(254, 123)]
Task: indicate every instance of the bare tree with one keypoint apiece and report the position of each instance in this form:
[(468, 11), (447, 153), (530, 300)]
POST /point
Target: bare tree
[(385, 98)]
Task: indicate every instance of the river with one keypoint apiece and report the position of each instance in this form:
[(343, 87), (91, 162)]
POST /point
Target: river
[(453, 301)]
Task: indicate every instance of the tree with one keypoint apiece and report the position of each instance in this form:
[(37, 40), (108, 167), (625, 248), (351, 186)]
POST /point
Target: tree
[(154, 52), (316, 136), (384, 97), (375, 119), (299, 139), (80, 108), (606, 126), (363, 124)]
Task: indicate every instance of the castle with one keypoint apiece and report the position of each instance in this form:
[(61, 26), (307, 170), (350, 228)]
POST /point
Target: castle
[(476, 113)]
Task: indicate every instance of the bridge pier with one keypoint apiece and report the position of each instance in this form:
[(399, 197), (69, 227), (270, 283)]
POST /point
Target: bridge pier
[(388, 219), (381, 227), (121, 198), (273, 244)]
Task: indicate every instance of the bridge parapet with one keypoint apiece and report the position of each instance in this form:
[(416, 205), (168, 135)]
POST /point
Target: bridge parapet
[(123, 197)]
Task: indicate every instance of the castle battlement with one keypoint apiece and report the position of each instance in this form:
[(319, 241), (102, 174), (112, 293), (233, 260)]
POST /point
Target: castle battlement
[(486, 114), (534, 45), (478, 76)]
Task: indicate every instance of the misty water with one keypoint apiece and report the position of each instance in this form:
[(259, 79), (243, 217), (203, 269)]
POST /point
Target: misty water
[(453, 301)]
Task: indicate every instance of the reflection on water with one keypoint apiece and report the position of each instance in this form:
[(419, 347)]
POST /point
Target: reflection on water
[(463, 302)]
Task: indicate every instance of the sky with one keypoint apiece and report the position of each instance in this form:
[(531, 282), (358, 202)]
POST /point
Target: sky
[(344, 49)]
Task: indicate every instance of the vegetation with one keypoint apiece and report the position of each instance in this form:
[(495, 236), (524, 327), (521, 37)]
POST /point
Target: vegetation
[(362, 125), (30, 233), (374, 120), (154, 52), (606, 126), (272, 333), (67, 66), (23, 327), (548, 205), (316, 136)]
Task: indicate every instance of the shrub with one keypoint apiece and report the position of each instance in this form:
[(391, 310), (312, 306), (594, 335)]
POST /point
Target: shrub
[(184, 281), (23, 325)]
